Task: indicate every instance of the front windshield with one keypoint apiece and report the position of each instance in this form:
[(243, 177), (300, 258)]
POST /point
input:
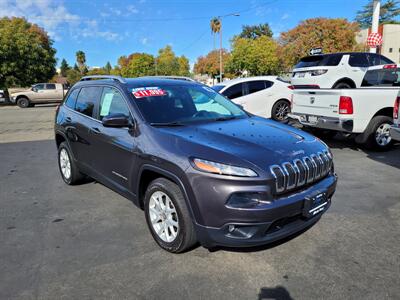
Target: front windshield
[(166, 104)]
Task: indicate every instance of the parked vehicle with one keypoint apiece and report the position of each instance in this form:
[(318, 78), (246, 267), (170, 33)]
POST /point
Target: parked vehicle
[(338, 70), (39, 94), (217, 176), (395, 130), (3, 96), (366, 112), (265, 96)]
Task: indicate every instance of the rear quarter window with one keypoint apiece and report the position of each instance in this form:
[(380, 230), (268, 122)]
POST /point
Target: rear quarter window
[(71, 99), (382, 77), (358, 60)]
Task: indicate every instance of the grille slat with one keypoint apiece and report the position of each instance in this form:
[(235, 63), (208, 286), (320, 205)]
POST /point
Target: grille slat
[(291, 175)]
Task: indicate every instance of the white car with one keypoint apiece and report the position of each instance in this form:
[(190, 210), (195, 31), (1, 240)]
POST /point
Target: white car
[(338, 70), (265, 96), (366, 112)]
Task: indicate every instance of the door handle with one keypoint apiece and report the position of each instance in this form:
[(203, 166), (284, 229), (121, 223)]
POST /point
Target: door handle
[(95, 130), (68, 119)]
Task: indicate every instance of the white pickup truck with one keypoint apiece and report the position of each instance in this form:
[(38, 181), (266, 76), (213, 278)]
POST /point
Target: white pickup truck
[(39, 94), (366, 112)]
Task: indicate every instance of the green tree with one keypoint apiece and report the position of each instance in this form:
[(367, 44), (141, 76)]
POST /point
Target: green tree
[(184, 67), (140, 64), (26, 53), (167, 62), (108, 67), (209, 64), (64, 67), (81, 61), (97, 71), (76, 68), (255, 31), (332, 35), (215, 25), (257, 57), (73, 76), (390, 10)]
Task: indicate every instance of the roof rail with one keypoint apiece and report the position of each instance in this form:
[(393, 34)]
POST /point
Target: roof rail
[(112, 77), (171, 77)]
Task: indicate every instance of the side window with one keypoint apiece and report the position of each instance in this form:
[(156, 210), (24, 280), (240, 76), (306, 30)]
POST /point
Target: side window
[(256, 86), (112, 103), (358, 60), (234, 91), (50, 86), (382, 77), (39, 86), (87, 100), (334, 60), (70, 101)]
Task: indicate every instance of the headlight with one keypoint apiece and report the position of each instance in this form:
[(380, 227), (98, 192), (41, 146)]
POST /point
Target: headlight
[(222, 169), (318, 72)]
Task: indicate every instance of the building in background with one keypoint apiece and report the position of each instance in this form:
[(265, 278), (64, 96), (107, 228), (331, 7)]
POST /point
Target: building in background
[(391, 40)]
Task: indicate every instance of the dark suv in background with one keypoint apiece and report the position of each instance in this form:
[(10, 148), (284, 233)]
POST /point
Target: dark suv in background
[(200, 167)]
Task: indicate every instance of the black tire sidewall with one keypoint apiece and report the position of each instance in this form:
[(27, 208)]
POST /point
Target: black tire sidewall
[(158, 185), (342, 85), (273, 115), (23, 102)]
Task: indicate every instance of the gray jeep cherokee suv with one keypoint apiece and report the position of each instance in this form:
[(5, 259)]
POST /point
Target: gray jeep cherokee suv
[(201, 168)]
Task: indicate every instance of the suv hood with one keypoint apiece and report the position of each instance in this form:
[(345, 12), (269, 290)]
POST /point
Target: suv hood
[(255, 140)]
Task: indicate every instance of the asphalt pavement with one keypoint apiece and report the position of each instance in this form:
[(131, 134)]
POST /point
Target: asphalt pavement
[(87, 242)]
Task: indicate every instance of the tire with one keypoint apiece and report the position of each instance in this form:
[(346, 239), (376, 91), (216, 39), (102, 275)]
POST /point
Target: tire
[(64, 159), (342, 85), (280, 110), (378, 135), (23, 102), (160, 194)]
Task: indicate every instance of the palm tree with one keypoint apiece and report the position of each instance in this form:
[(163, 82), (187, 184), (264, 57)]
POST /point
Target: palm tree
[(81, 60), (215, 25)]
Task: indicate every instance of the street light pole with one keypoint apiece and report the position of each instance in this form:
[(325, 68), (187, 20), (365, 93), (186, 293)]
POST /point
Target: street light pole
[(375, 21), (220, 42)]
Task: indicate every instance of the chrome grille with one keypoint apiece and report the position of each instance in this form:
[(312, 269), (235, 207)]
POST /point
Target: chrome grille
[(291, 175)]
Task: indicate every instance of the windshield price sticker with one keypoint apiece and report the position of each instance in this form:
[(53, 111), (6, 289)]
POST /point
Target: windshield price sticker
[(148, 92)]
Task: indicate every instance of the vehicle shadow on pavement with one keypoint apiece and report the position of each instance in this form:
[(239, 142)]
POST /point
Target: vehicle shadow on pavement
[(391, 157), (262, 247), (276, 293)]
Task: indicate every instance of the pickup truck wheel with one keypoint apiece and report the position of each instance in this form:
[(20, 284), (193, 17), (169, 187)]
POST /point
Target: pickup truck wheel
[(68, 169), (280, 110), (378, 132), (23, 102), (167, 216)]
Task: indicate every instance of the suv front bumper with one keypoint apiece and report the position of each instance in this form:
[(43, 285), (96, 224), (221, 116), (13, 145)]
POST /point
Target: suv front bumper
[(329, 123), (282, 218)]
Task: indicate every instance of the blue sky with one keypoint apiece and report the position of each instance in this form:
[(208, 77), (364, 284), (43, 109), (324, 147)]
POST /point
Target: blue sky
[(105, 30)]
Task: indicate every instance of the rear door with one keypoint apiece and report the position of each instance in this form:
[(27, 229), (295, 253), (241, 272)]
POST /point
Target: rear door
[(51, 92), (256, 96), (357, 66)]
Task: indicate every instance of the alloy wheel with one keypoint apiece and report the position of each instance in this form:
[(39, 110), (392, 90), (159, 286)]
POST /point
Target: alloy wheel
[(163, 216), (65, 164), (382, 135), (282, 111)]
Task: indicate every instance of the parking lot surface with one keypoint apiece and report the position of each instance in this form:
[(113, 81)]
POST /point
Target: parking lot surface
[(87, 242)]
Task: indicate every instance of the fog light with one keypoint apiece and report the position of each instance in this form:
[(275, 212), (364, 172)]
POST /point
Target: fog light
[(248, 200), (231, 228)]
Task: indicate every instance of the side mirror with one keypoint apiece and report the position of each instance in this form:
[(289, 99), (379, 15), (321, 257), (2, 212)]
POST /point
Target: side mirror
[(34, 89), (116, 121)]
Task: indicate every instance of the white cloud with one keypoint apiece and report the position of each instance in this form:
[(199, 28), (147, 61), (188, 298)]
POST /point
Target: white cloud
[(144, 41), (285, 16), (55, 18), (132, 9)]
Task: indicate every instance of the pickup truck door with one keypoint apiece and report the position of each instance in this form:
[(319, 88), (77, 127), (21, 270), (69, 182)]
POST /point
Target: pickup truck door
[(52, 92)]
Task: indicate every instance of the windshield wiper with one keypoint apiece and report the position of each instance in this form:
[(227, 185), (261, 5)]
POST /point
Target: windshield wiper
[(225, 118), (167, 124)]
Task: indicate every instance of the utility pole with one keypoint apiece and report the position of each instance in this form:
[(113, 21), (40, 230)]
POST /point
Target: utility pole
[(375, 21)]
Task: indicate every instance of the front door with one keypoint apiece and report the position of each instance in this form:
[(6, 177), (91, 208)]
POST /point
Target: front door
[(113, 158)]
